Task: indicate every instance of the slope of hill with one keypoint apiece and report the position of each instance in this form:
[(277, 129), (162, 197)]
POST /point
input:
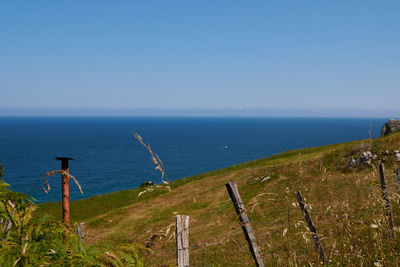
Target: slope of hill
[(345, 204)]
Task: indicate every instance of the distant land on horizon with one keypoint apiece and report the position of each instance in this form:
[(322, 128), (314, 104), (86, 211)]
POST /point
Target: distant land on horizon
[(197, 112)]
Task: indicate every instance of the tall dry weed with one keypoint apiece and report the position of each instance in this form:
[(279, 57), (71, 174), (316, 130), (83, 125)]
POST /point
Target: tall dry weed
[(46, 185), (159, 166)]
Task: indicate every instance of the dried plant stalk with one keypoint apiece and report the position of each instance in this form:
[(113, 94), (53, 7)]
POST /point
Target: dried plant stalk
[(157, 161), (159, 166), (46, 189)]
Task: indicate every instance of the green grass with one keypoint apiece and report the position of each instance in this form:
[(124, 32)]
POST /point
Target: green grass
[(87, 209), (344, 204)]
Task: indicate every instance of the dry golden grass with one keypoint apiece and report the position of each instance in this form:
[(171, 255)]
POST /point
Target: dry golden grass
[(157, 161), (345, 205), (159, 166), (46, 188)]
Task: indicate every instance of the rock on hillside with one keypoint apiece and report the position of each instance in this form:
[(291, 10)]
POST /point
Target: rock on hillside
[(390, 127)]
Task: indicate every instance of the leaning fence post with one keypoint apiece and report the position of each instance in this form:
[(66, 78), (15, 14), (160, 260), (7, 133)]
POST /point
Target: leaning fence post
[(241, 212), (80, 231), (397, 179), (385, 196), (311, 227), (182, 240)]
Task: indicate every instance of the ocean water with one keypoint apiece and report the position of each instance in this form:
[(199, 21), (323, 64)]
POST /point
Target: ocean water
[(107, 158)]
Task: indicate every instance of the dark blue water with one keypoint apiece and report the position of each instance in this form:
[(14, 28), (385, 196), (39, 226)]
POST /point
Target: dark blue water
[(107, 158)]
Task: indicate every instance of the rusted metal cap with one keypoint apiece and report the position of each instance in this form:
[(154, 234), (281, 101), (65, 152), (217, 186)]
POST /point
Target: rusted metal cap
[(64, 158)]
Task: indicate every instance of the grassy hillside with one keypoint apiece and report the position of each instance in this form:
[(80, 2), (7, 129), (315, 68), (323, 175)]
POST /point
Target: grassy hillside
[(345, 205)]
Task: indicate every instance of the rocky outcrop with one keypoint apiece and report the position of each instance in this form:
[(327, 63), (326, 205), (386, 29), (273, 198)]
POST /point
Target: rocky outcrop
[(366, 158), (390, 127), (396, 155), (147, 183)]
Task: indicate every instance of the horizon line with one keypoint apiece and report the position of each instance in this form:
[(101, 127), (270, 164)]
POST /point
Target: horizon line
[(200, 112)]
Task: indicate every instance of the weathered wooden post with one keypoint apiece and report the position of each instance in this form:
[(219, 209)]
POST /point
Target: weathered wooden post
[(65, 189), (397, 179), (80, 231), (246, 227), (385, 196), (311, 227), (182, 240)]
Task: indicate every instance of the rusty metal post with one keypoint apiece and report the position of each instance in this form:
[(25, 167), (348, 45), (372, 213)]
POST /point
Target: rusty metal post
[(65, 189)]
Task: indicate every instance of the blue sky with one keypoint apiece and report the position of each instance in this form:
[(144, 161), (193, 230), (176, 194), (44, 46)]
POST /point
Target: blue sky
[(200, 54)]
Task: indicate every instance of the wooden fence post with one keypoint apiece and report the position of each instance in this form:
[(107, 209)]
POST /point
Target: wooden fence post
[(182, 240), (385, 196), (397, 179), (80, 231), (311, 227), (246, 227)]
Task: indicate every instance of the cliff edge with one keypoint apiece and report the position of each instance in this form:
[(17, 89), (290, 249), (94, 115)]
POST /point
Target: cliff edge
[(390, 127)]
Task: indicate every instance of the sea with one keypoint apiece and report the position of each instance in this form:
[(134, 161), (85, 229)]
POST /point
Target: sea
[(107, 157)]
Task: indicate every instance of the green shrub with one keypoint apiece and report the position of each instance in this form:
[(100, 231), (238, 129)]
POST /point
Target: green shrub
[(45, 242)]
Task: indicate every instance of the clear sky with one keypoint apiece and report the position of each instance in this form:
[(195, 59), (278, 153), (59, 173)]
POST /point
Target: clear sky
[(200, 54)]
